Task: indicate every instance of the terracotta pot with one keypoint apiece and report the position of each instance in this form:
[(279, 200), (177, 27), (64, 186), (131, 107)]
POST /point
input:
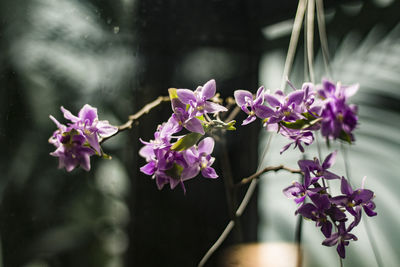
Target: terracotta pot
[(262, 254)]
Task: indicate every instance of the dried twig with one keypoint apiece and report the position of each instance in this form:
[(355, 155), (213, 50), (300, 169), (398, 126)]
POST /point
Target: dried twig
[(265, 170), (133, 118)]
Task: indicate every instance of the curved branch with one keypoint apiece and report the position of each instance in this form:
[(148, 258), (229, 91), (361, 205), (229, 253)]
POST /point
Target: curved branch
[(133, 118), (253, 183), (265, 170)]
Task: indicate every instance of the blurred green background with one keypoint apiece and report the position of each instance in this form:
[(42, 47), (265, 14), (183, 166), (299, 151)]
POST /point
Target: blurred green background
[(119, 55)]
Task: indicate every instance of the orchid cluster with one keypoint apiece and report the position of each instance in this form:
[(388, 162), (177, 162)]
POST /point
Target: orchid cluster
[(173, 159), (300, 113), (182, 146), (328, 211), (297, 116), (79, 140)]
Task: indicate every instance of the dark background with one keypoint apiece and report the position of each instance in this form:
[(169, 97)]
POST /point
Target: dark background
[(118, 56)]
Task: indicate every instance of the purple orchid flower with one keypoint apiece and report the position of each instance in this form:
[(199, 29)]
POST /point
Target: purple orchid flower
[(199, 160), (88, 122), (329, 90), (198, 99), (317, 211), (287, 108), (354, 200), (298, 137), (318, 170), (309, 102), (342, 238), (253, 108), (183, 118), (299, 191), (165, 166), (337, 116), (72, 149), (80, 140), (162, 139)]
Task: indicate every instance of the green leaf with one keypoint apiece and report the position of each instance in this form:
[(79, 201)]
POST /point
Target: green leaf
[(311, 123), (175, 172), (186, 142), (201, 118), (308, 116), (229, 126), (299, 124), (105, 156), (345, 137), (172, 93)]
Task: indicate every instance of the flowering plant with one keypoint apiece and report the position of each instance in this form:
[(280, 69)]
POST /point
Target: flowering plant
[(183, 145), (181, 148)]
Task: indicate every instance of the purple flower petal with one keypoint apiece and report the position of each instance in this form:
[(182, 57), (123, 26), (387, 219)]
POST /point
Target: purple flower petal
[(307, 210), (194, 125), (295, 97), (68, 115), (93, 142), (351, 90), (190, 172), (89, 113), (59, 125), (283, 149), (241, 96), (329, 160), (263, 111), (332, 240), (206, 145), (341, 250), (186, 95), (209, 173), (330, 176), (149, 168), (249, 120), (272, 100), (326, 229), (85, 161), (105, 129), (209, 89), (345, 187), (211, 107)]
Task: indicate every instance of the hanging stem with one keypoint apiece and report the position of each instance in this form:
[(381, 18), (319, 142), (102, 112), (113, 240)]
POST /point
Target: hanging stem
[(245, 201), (372, 242), (230, 225), (230, 191), (322, 35), (298, 234), (368, 230), (310, 38), (294, 38)]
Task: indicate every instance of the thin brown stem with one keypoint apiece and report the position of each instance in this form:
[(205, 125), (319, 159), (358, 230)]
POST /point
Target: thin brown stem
[(230, 191), (133, 118), (233, 114), (265, 170)]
